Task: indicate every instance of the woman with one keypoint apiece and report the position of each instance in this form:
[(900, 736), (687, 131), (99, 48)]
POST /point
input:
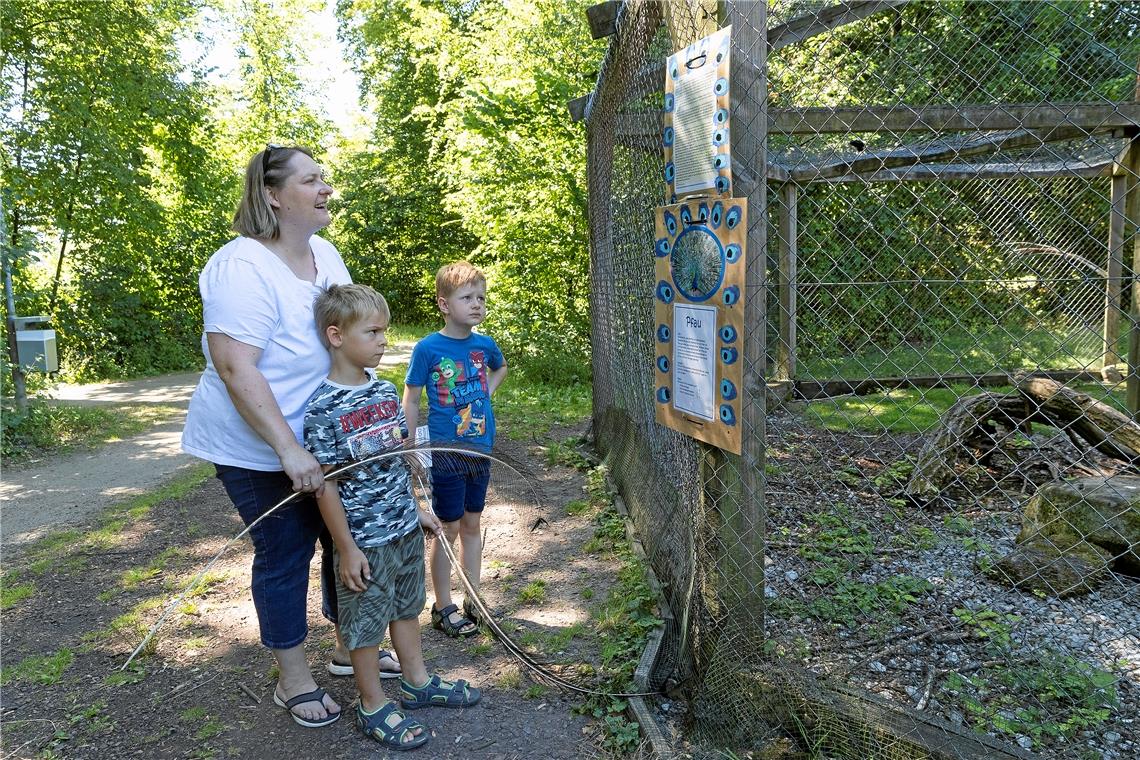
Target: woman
[(263, 361)]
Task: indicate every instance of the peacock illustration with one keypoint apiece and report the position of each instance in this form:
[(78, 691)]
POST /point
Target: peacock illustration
[(697, 263)]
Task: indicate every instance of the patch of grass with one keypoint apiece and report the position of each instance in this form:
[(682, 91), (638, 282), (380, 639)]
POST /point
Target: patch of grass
[(42, 669), (48, 428), (1049, 698), (510, 678), (529, 408), (577, 507), (134, 673), (560, 638), (535, 691), (12, 592), (566, 454), (918, 410), (533, 592), (481, 647), (587, 593), (194, 714)]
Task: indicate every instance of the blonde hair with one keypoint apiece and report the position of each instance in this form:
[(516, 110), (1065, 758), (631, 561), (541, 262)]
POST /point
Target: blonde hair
[(345, 305), (451, 277), (254, 217)]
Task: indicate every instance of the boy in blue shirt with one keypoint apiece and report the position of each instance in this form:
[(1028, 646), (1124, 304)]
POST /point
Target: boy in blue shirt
[(372, 516), (460, 370)]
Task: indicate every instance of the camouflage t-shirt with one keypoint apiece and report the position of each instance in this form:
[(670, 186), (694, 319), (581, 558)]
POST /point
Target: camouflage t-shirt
[(349, 423)]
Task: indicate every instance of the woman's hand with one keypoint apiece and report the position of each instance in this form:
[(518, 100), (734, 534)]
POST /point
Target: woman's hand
[(355, 573), (304, 470), (430, 523)]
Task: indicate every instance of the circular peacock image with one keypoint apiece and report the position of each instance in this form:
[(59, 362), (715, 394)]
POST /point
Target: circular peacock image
[(697, 263)]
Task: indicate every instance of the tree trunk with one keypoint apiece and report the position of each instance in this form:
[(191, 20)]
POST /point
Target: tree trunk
[(1110, 432)]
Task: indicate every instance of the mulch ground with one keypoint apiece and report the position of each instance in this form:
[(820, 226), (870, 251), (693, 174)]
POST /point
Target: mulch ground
[(206, 691)]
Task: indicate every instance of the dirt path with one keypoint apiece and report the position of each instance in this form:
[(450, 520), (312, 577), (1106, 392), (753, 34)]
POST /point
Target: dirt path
[(70, 488), (206, 690)]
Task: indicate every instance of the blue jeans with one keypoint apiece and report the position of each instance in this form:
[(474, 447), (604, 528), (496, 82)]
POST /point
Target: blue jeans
[(283, 546)]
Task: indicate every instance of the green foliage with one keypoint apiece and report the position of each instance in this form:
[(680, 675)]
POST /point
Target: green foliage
[(12, 592), (472, 155), (46, 428), (43, 669), (1050, 698), (533, 592)]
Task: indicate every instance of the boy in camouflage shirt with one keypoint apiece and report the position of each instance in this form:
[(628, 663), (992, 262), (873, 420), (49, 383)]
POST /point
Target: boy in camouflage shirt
[(372, 516)]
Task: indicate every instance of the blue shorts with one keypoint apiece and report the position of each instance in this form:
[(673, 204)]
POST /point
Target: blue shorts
[(283, 545), (458, 485)]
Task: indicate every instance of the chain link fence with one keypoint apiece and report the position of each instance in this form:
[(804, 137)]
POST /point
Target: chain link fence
[(930, 546)]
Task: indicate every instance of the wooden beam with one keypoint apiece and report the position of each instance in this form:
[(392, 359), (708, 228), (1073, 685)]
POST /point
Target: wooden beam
[(966, 118), (824, 20), (942, 172), (1112, 282), (1088, 118), (602, 18), (786, 350), (942, 151), (577, 108), (809, 390)]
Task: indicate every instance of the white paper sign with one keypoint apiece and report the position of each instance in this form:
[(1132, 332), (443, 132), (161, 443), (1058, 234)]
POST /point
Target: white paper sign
[(694, 360), (693, 148)]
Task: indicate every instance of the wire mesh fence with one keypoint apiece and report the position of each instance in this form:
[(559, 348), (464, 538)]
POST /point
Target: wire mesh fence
[(930, 546)]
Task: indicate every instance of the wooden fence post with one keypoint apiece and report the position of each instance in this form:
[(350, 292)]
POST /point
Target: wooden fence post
[(789, 212)]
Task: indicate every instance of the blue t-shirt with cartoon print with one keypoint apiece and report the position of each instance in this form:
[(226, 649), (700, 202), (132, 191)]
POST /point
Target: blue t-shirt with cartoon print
[(454, 374)]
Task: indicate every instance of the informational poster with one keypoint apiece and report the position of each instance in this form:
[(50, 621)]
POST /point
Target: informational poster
[(698, 158), (694, 360), (699, 314)]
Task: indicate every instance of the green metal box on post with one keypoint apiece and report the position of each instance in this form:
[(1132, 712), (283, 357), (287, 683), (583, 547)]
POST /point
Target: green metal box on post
[(36, 348)]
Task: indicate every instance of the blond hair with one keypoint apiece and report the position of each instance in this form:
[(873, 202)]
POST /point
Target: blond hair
[(254, 217), (346, 305), (451, 277)]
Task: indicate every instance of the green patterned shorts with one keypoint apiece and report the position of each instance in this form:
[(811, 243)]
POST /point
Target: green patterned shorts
[(395, 593)]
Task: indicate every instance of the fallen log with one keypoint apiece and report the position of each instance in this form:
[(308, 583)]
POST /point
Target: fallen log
[(1109, 431)]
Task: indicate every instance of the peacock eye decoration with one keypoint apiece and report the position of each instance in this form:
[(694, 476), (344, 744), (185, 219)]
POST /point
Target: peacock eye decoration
[(670, 224), (663, 395), (728, 334), (703, 213), (719, 136), (720, 118), (663, 333), (665, 292), (732, 253), (668, 102), (727, 415), (731, 295), (674, 72), (717, 214), (721, 86), (669, 171), (722, 184), (727, 390), (663, 363), (721, 161), (733, 217), (728, 355), (662, 247), (686, 215), (668, 136)]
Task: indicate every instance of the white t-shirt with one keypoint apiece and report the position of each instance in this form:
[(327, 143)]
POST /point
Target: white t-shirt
[(253, 297)]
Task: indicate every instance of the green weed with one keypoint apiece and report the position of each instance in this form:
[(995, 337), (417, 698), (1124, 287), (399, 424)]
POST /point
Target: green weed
[(48, 428), (12, 592), (42, 669), (533, 592)]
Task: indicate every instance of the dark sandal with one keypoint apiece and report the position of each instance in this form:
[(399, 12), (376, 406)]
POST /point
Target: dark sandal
[(375, 726), (438, 693), (441, 620), (471, 613), (316, 695)]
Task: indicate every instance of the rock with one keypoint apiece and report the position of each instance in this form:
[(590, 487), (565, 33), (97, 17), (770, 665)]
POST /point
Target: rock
[(1061, 566), (878, 667), (791, 576), (1099, 510), (1025, 742)]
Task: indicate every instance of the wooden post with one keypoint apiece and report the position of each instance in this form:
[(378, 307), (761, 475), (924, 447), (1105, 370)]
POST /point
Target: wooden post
[(789, 211), (1131, 169), (743, 531), (1112, 286)]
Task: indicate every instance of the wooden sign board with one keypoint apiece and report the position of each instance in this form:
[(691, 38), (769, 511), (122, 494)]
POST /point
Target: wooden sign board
[(698, 158), (699, 311)]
